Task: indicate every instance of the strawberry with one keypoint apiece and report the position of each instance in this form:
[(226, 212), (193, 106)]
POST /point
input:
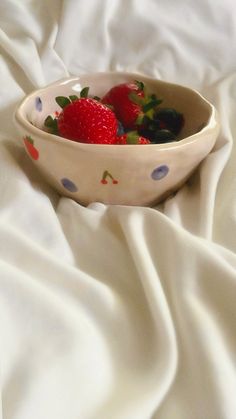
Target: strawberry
[(130, 103), (87, 120), (119, 97), (131, 138), (127, 114), (83, 119)]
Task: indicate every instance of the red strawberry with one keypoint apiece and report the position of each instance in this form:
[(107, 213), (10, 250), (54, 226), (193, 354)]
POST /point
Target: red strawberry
[(86, 120), (121, 97), (131, 104), (29, 144), (131, 138)]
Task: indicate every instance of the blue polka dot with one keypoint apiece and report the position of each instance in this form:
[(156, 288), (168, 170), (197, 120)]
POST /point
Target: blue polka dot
[(38, 104), (160, 172), (69, 185)]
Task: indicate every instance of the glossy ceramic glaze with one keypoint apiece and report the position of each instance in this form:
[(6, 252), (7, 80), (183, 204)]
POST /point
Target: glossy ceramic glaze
[(116, 174)]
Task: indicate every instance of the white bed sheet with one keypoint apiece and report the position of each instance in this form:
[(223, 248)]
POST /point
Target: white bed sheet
[(112, 312)]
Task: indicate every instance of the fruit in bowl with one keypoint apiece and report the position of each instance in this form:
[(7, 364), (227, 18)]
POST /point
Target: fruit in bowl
[(119, 167), (127, 114)]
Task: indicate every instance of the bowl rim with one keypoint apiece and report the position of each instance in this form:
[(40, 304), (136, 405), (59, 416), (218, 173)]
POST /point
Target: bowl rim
[(20, 120)]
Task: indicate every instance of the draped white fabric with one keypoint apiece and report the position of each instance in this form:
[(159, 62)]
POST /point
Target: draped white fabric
[(114, 312)]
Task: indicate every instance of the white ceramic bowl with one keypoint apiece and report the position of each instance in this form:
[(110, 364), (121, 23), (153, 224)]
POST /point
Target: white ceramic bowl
[(117, 174)]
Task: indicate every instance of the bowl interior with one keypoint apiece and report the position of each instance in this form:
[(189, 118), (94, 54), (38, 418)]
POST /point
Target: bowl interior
[(196, 110)]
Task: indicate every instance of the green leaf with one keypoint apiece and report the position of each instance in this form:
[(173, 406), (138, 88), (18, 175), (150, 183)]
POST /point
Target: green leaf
[(73, 98), (140, 84), (135, 98), (97, 98), (132, 137), (150, 114), (49, 121), (51, 125), (62, 101), (84, 92), (153, 96), (139, 120), (150, 105)]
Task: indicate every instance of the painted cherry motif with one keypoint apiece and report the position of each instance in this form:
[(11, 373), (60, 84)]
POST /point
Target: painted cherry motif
[(32, 150), (106, 175)]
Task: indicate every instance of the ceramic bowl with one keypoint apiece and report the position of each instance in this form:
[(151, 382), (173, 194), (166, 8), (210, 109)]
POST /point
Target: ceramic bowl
[(116, 174)]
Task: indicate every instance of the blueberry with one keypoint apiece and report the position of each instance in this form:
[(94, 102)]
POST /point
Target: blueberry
[(170, 119), (164, 136), (120, 129)]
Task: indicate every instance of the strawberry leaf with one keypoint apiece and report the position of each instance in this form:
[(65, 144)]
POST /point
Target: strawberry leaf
[(139, 120), (73, 98), (135, 98), (62, 101), (49, 121), (153, 96), (84, 92), (140, 84), (150, 105), (51, 125), (132, 137)]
